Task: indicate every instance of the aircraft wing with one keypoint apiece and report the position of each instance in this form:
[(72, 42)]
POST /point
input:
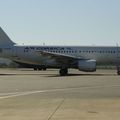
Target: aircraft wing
[(62, 58)]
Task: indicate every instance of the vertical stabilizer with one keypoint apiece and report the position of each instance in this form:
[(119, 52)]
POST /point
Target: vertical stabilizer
[(4, 39)]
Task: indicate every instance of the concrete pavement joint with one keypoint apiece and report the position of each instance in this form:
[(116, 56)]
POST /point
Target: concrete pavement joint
[(59, 105)]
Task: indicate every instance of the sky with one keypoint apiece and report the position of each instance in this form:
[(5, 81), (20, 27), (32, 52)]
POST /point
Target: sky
[(61, 22)]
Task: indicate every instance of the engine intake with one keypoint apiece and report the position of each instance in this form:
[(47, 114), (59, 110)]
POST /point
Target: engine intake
[(87, 65)]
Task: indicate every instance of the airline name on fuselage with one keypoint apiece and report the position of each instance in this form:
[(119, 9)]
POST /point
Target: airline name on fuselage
[(48, 48)]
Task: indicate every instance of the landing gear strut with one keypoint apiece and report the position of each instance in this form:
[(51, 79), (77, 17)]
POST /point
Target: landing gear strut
[(118, 70), (63, 72)]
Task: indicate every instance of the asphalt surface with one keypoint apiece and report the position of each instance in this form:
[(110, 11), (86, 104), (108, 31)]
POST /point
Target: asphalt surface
[(44, 95)]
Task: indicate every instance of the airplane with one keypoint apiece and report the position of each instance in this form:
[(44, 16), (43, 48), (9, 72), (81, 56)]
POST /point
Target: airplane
[(83, 58)]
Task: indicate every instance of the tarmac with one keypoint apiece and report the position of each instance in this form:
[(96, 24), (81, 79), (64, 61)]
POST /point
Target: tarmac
[(44, 95)]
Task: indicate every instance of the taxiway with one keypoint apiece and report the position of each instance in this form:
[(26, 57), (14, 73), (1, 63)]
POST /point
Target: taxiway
[(44, 95)]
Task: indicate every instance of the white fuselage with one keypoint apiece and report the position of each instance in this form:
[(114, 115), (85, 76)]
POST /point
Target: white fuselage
[(84, 58), (28, 55)]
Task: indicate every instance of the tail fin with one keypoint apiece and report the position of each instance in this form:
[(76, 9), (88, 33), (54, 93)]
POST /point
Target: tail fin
[(4, 39)]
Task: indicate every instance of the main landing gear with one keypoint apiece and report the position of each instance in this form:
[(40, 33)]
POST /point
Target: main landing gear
[(118, 70), (63, 72), (40, 68)]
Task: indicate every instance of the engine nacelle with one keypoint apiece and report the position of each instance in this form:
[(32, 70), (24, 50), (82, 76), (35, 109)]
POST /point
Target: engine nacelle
[(87, 65)]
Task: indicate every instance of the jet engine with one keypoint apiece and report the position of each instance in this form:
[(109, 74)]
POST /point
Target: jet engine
[(87, 65)]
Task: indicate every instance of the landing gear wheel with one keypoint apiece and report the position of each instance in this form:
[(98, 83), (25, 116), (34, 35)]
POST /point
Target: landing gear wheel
[(63, 72), (35, 69), (44, 68), (118, 70), (39, 68)]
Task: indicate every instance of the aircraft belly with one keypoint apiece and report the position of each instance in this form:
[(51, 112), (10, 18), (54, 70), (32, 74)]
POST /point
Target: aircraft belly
[(28, 59), (36, 60)]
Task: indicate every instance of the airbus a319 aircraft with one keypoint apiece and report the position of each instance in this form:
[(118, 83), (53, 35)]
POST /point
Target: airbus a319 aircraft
[(83, 58)]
